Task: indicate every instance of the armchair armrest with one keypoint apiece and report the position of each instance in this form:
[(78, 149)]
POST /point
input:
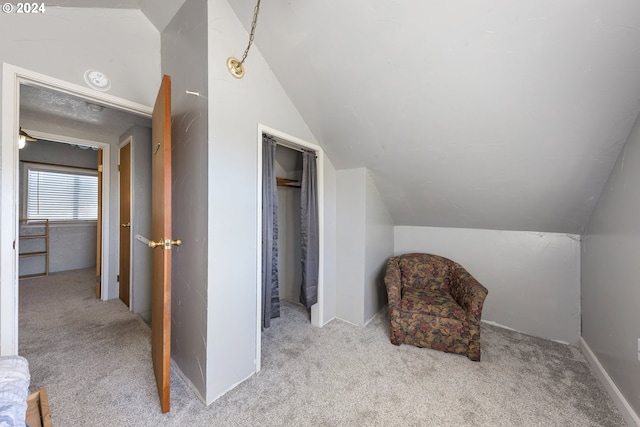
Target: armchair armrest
[(468, 292), (393, 283)]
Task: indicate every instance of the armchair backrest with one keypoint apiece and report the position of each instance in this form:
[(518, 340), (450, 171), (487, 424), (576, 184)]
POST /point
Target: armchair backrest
[(425, 271)]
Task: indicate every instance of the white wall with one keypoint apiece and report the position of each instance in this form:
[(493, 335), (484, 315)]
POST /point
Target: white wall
[(379, 246), (364, 243), (235, 109), (330, 241), (65, 42), (533, 278), (611, 272), (350, 241)]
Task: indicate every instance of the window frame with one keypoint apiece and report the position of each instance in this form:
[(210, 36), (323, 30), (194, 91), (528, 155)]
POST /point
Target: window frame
[(48, 167)]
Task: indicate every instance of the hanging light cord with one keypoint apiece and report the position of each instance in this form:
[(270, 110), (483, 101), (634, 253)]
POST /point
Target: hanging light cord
[(252, 34), (236, 67)]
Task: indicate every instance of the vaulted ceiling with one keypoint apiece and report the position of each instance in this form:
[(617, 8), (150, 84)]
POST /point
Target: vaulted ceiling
[(494, 114)]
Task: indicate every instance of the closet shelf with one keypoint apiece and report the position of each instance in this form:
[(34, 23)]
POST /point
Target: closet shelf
[(286, 182)]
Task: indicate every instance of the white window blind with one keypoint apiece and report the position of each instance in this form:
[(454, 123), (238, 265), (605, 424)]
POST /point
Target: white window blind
[(62, 195)]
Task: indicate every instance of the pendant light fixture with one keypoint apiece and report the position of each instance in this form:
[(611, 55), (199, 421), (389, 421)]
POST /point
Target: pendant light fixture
[(235, 65)]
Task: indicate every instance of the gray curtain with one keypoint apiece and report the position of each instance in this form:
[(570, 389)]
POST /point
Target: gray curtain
[(309, 219), (270, 288)]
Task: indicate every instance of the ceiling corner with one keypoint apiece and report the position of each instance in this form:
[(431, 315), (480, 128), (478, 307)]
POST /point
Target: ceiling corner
[(160, 16)]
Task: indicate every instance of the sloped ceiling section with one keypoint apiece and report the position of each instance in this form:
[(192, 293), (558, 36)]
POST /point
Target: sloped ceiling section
[(158, 14), (493, 114)]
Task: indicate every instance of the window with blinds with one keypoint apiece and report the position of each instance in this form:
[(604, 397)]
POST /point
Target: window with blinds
[(61, 194)]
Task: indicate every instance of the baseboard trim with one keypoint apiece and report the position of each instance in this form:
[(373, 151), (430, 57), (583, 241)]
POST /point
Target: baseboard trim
[(230, 388), (621, 403)]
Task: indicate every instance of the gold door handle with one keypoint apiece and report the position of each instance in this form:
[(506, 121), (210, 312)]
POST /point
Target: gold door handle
[(127, 225), (166, 244)]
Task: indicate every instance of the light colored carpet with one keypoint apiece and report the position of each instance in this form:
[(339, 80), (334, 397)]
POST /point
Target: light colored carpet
[(94, 359)]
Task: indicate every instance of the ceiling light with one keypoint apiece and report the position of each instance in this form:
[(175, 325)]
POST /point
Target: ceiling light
[(97, 80)]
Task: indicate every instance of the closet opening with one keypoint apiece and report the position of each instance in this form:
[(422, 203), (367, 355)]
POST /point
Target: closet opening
[(290, 225), (288, 179)]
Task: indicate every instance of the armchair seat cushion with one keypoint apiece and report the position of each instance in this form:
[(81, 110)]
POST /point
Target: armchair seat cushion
[(426, 302)]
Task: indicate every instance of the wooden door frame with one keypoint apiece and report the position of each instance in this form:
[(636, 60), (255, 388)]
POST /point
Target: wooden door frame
[(317, 310), (12, 78), (128, 140)]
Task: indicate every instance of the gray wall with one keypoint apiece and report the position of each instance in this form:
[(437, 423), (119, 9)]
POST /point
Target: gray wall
[(71, 246), (364, 243), (58, 154), (611, 272), (184, 58), (53, 153), (141, 267), (289, 236), (533, 278)]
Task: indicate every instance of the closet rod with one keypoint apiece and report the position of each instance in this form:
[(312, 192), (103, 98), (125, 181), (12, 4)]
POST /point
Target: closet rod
[(291, 147), (286, 144)]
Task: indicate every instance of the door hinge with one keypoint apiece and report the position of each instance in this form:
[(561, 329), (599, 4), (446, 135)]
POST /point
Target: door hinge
[(118, 168), (14, 245), (118, 278), (99, 168)]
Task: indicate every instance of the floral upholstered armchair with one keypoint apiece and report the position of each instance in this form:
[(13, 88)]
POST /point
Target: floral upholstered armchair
[(434, 302)]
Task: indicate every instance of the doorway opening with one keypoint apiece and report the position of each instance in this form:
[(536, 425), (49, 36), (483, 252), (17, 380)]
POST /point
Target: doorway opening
[(59, 204), (13, 79), (288, 142)]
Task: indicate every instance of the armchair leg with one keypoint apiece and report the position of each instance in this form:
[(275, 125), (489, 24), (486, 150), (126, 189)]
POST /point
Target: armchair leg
[(474, 352), (396, 337)]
